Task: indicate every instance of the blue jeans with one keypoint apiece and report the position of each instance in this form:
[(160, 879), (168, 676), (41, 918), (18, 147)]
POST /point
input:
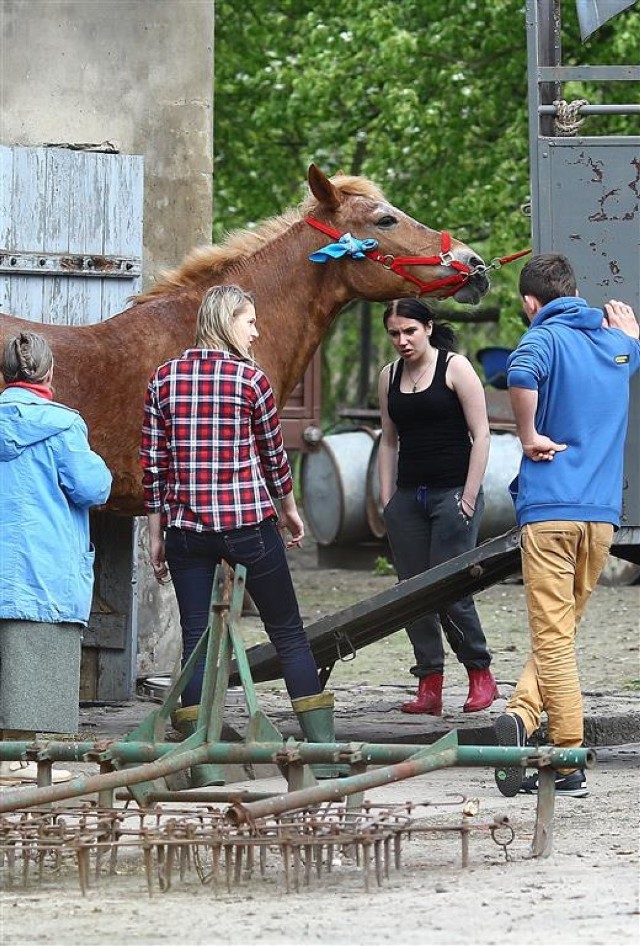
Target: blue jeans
[(425, 528), (192, 558)]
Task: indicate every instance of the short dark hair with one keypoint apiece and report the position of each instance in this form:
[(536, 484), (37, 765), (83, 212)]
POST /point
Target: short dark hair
[(547, 276), (442, 335)]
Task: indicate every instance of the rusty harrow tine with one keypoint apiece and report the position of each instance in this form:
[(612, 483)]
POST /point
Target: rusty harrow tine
[(397, 850), (169, 839), (228, 864), (115, 838), (237, 870), (25, 865), (295, 848), (308, 858), (148, 864), (216, 851), (160, 863), (366, 865), (249, 865), (82, 854), (387, 856), (285, 854), (378, 860), (184, 861)]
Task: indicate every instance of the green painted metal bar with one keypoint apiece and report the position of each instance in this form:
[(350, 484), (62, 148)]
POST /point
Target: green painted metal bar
[(494, 756), (443, 753), (218, 654), (265, 752), (440, 755), (239, 650), (26, 797)]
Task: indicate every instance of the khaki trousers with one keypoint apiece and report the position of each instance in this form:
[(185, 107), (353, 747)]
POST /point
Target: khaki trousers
[(561, 564)]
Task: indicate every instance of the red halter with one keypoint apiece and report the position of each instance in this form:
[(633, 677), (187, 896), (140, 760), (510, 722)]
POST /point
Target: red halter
[(397, 264)]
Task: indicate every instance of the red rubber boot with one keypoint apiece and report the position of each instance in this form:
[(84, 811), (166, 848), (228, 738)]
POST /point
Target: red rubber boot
[(429, 699), (483, 690)]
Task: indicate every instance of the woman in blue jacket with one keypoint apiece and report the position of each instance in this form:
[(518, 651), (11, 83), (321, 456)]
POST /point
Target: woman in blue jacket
[(49, 479)]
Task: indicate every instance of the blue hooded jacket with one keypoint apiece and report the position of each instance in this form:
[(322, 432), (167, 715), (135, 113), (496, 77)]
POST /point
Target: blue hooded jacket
[(49, 478), (582, 373)]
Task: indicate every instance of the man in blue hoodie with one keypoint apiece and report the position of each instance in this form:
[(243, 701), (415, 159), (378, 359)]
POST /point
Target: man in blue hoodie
[(569, 387)]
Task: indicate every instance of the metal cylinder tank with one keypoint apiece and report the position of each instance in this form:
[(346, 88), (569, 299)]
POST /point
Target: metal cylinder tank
[(333, 482), (341, 489)]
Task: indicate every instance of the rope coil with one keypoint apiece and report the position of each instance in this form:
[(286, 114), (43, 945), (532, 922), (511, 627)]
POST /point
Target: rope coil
[(567, 121)]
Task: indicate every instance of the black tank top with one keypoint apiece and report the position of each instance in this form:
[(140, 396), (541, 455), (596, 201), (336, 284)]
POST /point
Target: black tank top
[(434, 441)]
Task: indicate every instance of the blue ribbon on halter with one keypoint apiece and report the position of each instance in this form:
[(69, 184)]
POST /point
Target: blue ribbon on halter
[(346, 245)]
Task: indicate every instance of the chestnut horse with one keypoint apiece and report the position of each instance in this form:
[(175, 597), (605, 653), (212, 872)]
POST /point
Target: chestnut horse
[(102, 369)]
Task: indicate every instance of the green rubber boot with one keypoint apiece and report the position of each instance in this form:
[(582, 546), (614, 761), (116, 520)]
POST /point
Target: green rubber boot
[(315, 715), (185, 720)]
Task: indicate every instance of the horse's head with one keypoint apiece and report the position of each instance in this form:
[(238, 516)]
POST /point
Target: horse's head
[(407, 259)]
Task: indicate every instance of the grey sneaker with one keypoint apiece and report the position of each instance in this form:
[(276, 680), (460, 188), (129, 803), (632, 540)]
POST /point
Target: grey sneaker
[(573, 784), (510, 731)]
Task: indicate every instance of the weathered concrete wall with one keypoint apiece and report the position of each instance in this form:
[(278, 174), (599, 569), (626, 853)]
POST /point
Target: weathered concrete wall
[(137, 74)]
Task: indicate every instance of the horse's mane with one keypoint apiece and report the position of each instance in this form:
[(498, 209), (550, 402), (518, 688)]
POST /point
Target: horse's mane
[(197, 267)]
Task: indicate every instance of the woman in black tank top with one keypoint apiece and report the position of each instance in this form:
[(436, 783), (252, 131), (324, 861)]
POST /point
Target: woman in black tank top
[(432, 458)]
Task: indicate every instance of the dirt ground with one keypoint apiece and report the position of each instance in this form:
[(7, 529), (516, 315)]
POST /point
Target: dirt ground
[(585, 893)]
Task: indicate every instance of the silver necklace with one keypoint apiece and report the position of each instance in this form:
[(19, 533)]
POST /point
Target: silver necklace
[(415, 382)]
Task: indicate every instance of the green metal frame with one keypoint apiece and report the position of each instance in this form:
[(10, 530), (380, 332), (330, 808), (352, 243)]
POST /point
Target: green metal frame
[(146, 765), (223, 641)]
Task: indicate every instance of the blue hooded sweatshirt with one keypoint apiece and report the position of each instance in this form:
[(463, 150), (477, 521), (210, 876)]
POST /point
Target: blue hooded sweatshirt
[(49, 477), (582, 373)]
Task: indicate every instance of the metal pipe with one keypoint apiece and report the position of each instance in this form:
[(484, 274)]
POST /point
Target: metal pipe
[(555, 758), (239, 752), (619, 109), (336, 789), (137, 752), (426, 760), (25, 797), (28, 797)]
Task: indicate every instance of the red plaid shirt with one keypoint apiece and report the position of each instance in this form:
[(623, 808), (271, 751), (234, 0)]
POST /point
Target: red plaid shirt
[(212, 452)]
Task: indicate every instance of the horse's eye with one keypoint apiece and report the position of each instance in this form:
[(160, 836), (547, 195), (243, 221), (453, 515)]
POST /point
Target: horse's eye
[(386, 221)]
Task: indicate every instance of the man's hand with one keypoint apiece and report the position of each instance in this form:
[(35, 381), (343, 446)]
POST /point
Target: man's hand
[(542, 448), (620, 315)]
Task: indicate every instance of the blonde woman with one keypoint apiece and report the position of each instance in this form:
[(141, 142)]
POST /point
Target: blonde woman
[(214, 467)]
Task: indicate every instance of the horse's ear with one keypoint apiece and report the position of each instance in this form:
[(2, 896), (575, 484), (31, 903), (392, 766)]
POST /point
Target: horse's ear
[(322, 188)]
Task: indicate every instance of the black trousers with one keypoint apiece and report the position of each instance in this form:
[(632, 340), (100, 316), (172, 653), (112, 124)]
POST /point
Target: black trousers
[(192, 558), (425, 527)]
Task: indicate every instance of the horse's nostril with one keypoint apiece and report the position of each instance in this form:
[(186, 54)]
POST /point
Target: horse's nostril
[(475, 261)]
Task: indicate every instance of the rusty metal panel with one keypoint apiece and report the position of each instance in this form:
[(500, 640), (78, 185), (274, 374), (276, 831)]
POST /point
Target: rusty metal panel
[(589, 209)]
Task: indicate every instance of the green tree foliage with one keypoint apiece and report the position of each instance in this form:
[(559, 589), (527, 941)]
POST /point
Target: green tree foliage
[(427, 99)]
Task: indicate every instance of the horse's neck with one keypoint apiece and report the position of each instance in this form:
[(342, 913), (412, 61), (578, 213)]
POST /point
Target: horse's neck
[(296, 301)]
